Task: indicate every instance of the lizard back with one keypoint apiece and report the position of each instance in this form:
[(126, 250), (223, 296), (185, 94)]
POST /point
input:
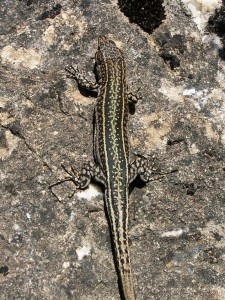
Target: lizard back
[(112, 151)]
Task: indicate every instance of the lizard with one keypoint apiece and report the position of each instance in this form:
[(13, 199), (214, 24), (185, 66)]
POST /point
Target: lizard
[(112, 167)]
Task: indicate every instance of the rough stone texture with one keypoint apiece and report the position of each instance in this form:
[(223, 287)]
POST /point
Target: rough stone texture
[(57, 247)]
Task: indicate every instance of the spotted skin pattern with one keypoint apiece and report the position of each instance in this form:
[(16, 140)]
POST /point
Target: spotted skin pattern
[(111, 151)]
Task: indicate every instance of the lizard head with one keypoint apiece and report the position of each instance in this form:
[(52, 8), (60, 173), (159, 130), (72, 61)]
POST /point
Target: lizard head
[(106, 55)]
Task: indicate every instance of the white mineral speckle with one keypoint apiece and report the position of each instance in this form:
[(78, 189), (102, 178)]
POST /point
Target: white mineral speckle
[(173, 93), (16, 227), (200, 97), (91, 192), (72, 215), (83, 251), (172, 233), (189, 92), (212, 39), (201, 10), (28, 216), (49, 35), (66, 264)]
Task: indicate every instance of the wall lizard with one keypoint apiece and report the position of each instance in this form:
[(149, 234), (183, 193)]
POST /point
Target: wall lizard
[(111, 152)]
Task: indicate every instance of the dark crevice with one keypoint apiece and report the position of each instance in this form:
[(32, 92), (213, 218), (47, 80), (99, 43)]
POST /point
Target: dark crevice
[(16, 130), (216, 24), (4, 270), (28, 2), (172, 48), (51, 14), (190, 189), (171, 59), (146, 14), (172, 142)]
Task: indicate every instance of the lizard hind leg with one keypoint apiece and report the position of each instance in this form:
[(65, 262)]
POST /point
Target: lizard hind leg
[(140, 167), (146, 171), (88, 172)]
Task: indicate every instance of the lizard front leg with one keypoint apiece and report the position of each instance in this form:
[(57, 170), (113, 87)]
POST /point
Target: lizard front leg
[(82, 81)]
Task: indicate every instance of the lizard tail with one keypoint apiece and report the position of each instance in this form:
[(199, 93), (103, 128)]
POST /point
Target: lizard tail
[(127, 286)]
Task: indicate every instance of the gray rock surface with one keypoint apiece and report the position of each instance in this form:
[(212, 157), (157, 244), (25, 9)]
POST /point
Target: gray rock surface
[(54, 246)]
